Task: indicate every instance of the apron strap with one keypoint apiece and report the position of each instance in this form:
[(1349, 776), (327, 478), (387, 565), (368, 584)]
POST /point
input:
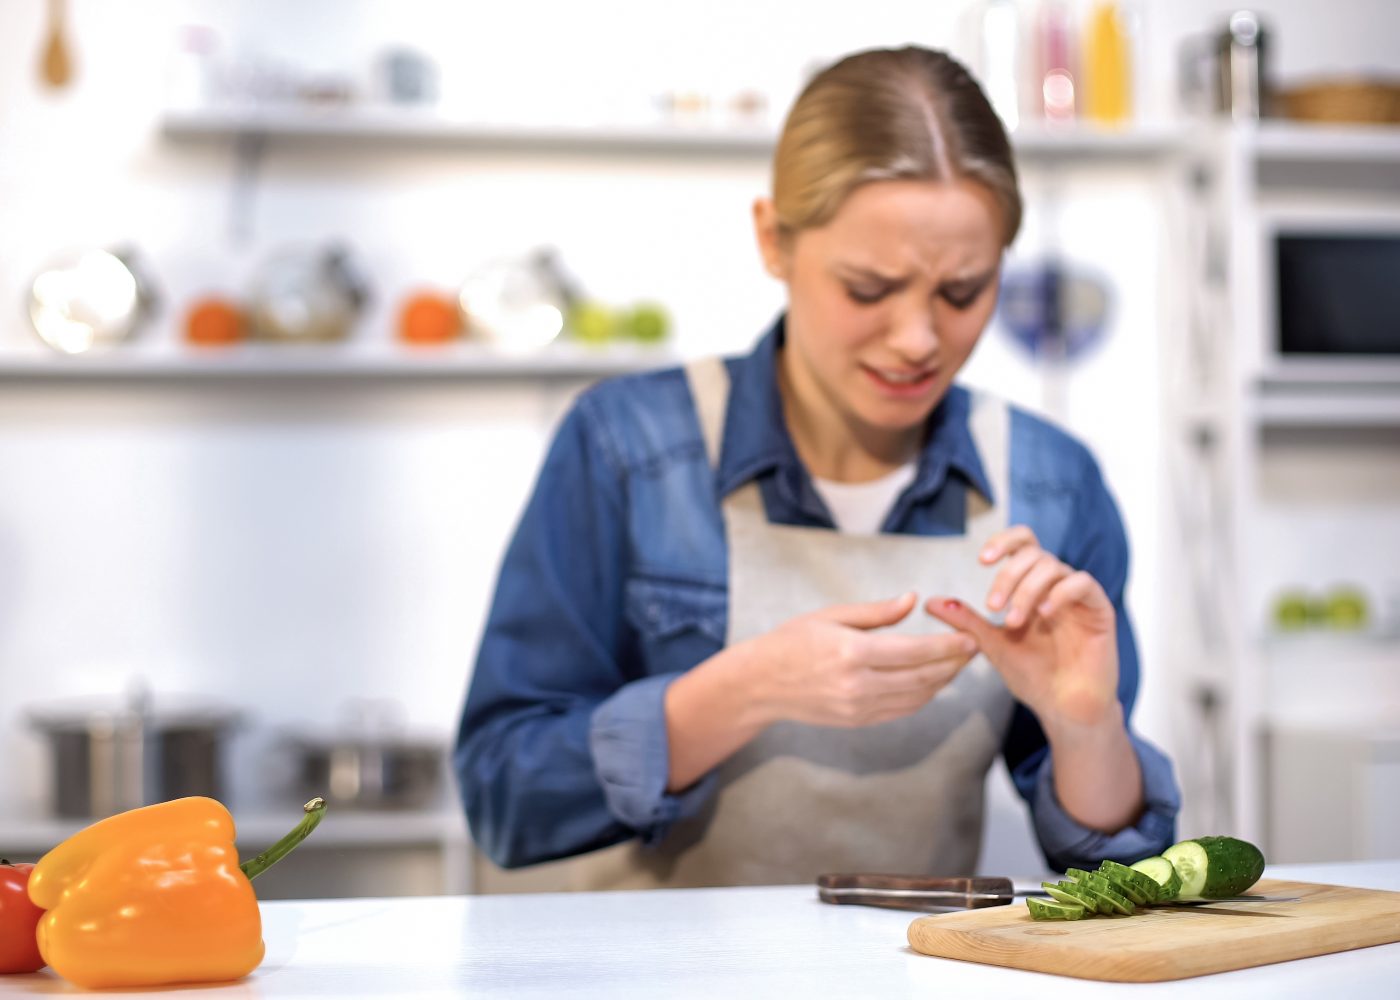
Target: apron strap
[(990, 425), (709, 388)]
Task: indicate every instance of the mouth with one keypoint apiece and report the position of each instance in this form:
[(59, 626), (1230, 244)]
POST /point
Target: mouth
[(903, 383)]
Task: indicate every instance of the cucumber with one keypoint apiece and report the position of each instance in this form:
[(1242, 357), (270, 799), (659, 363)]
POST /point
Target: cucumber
[(1045, 909), (1146, 887), (1215, 867), (1123, 886), (1060, 895), (1078, 893), (1164, 873), (1120, 902)]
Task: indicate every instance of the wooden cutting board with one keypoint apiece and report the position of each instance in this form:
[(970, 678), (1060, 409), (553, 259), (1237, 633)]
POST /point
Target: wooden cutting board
[(1165, 943)]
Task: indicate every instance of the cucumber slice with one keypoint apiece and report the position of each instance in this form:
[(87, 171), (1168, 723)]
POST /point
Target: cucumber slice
[(1123, 886), (1120, 902), (1078, 893), (1061, 895), (1146, 887), (1045, 909), (1078, 874), (1107, 906), (1215, 867), (1161, 871)]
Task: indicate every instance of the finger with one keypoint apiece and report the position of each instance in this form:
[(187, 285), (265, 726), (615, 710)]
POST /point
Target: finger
[(889, 652), (1077, 588), (926, 680), (873, 614), (1009, 577), (955, 613), (1033, 588), (1016, 537)]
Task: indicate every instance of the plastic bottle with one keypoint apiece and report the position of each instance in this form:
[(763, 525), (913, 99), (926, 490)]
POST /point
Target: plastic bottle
[(1108, 73)]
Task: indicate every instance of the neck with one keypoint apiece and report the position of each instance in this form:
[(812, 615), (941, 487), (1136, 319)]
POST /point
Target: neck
[(831, 444)]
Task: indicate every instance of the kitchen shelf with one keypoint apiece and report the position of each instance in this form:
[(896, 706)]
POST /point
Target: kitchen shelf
[(1355, 409), (33, 836), (336, 361), (1298, 142), (380, 124)]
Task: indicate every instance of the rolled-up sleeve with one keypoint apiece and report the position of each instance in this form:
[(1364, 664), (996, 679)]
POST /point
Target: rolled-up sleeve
[(1067, 843), (1100, 547), (630, 753), (561, 747)]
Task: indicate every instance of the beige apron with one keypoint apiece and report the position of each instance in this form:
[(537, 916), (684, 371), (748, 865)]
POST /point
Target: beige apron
[(904, 796)]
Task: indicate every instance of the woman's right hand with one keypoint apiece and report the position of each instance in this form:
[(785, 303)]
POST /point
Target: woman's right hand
[(829, 668)]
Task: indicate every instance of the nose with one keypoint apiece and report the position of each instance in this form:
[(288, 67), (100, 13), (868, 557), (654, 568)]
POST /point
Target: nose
[(914, 336)]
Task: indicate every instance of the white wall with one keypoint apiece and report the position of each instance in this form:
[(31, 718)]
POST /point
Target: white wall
[(286, 548)]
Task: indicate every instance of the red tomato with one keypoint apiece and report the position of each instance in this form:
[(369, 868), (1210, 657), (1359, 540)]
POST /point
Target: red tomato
[(19, 919)]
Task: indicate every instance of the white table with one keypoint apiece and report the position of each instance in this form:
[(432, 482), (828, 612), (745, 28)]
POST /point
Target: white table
[(716, 944)]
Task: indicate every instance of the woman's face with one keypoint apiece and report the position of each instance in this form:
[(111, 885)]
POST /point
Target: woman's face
[(887, 300)]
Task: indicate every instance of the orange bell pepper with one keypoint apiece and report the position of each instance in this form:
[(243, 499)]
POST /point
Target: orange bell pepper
[(155, 896)]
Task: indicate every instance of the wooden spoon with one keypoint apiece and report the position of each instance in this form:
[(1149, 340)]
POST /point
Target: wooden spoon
[(56, 68)]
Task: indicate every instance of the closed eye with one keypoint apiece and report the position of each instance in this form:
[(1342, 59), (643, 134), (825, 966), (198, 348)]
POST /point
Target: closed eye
[(867, 296), (962, 296)]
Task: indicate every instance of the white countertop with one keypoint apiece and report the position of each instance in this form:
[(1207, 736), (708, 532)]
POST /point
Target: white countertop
[(716, 944)]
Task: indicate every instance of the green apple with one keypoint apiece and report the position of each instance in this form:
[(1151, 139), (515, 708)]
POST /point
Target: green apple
[(648, 322), (1346, 608), (593, 321), (1292, 611)]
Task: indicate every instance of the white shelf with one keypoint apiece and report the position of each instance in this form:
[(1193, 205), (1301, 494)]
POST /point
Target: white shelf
[(1305, 142), (32, 836), (382, 124), (335, 361), (375, 124), (1328, 410)]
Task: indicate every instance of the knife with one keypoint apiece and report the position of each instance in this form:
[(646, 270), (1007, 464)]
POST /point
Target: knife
[(909, 892)]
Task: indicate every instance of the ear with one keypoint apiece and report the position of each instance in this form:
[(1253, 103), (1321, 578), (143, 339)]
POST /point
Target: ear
[(770, 243)]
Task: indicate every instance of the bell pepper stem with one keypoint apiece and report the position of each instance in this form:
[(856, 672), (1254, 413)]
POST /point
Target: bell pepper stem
[(313, 810)]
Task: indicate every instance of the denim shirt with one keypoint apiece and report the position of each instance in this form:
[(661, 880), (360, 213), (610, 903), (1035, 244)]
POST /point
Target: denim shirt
[(615, 584)]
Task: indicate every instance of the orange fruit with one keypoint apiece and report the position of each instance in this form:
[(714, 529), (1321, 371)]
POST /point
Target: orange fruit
[(429, 318), (214, 321)]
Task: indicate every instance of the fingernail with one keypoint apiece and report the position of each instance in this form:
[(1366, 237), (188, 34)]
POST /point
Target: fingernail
[(989, 552), (995, 601), (969, 644), (952, 605), (1044, 610), (1013, 617)]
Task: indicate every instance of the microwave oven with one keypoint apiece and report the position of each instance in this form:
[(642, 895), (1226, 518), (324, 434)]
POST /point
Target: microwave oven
[(1334, 302)]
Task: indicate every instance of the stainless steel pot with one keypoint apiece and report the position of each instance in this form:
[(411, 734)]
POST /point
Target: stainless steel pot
[(370, 761), (372, 773), (108, 758)]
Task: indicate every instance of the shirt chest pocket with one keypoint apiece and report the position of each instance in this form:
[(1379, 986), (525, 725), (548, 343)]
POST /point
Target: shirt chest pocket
[(678, 623)]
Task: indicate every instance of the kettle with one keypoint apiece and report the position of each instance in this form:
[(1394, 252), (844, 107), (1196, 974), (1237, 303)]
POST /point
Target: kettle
[(307, 294), (1226, 71), (91, 298)]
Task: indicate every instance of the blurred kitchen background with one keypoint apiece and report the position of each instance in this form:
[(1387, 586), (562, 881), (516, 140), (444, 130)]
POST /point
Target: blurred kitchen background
[(294, 294)]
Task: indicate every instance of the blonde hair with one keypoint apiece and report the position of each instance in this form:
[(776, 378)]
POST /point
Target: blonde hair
[(886, 114)]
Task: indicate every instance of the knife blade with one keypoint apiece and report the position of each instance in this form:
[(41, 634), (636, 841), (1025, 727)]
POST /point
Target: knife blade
[(909, 892)]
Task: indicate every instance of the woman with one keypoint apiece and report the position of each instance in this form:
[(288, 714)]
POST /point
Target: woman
[(707, 644)]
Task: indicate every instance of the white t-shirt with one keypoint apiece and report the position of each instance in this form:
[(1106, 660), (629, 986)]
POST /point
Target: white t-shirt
[(861, 508)]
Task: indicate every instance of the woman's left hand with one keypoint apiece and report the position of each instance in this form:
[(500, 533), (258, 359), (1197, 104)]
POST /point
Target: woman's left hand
[(1058, 647)]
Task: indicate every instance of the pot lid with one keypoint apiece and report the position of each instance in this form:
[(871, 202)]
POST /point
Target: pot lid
[(107, 713), (368, 723)]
